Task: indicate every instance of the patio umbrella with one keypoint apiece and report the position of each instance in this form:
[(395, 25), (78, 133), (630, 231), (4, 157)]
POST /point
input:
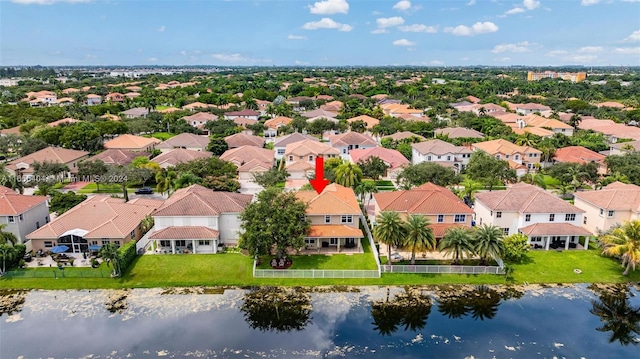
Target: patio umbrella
[(59, 249), (94, 248)]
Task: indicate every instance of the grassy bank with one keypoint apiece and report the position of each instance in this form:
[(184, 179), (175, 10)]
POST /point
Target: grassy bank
[(234, 269)]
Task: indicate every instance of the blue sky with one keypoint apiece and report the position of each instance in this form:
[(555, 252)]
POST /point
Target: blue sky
[(321, 33)]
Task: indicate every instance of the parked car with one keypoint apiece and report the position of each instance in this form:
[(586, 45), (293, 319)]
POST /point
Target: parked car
[(144, 190), (396, 256), (27, 257)]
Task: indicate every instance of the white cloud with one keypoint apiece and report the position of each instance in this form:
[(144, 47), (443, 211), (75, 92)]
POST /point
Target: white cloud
[(527, 5), (589, 2), (301, 63), (503, 59), (515, 10), (48, 2), (327, 23), (419, 28), (183, 53), (518, 47), (237, 59), (402, 5), (379, 31), (627, 50), (152, 59), (161, 28), (531, 4), (557, 52), (471, 3), (634, 37), (475, 29), (389, 21), (296, 37), (329, 7), (590, 49), (403, 42)]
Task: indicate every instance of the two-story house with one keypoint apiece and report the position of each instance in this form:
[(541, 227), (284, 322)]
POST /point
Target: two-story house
[(185, 140), (280, 144), (196, 219), (443, 208), (556, 126), (22, 214), (246, 113), (442, 153), (525, 156), (273, 125), (580, 155), (93, 99), (348, 141), (132, 143), (23, 166), (393, 159), (114, 97), (609, 206), (545, 219), (300, 159), (200, 119), (334, 215)]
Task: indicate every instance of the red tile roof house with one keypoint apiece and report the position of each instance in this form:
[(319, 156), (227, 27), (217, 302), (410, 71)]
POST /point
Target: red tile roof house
[(23, 166), (442, 153), (114, 97), (281, 143), (187, 141), (96, 221), (132, 143), (348, 141), (459, 132), (395, 161), (179, 155), (580, 155), (243, 139), (615, 204), (443, 208), (93, 99), (22, 214), (249, 160), (300, 158), (246, 113), (335, 216), (200, 119), (196, 219), (136, 112), (117, 157), (529, 108), (545, 219), (273, 125)]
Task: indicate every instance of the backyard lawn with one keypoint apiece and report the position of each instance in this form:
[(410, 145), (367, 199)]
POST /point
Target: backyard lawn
[(104, 188)]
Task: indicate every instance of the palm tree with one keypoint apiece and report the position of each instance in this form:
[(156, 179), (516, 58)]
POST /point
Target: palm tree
[(419, 235), (487, 242), (624, 242), (617, 314), (389, 230), (111, 253), (348, 174), (366, 189), (456, 241), (7, 237), (470, 188), (166, 181)]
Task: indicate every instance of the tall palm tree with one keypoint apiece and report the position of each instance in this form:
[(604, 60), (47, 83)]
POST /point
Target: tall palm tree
[(419, 235), (389, 230), (487, 242), (617, 315), (7, 237), (166, 181), (457, 242), (470, 188), (624, 242), (111, 253), (348, 174)]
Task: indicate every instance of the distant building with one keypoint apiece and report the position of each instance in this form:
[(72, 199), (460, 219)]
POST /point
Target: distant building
[(567, 76), (9, 82)]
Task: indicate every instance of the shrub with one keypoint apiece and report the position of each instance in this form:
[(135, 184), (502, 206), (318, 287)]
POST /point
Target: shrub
[(127, 255), (515, 247)]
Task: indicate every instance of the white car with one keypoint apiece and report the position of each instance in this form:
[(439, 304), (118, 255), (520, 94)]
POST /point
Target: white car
[(395, 256)]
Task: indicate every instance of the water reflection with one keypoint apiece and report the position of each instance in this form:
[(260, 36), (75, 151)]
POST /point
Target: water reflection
[(409, 309), (277, 309), (619, 318), (481, 302)]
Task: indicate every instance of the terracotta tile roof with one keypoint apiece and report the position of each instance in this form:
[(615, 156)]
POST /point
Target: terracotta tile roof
[(117, 157), (459, 132), (128, 141), (201, 117), (410, 117), (101, 216), (334, 231), (243, 113), (532, 106), (299, 166), (67, 120), (297, 99), (185, 232), (427, 199), (438, 147), (392, 158), (620, 145), (351, 138), (503, 146), (439, 229), (577, 154), (132, 94), (404, 135), (136, 112), (554, 229), (616, 196), (538, 131), (196, 200), (13, 203), (507, 117), (309, 147), (539, 121), (320, 113), (525, 198), (610, 104), (49, 154), (473, 99), (334, 199), (332, 119), (292, 138), (195, 105), (12, 130), (274, 123), (169, 110), (243, 155), (243, 139), (111, 117), (188, 140), (244, 122), (179, 155), (370, 121), (611, 128)]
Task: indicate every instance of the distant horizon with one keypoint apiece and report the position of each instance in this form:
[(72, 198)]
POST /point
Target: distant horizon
[(321, 33), (525, 67)]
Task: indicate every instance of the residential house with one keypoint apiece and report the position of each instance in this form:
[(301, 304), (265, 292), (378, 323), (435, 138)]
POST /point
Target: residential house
[(117, 157), (538, 131), (185, 140), (580, 155), (110, 117), (114, 97), (332, 119), (42, 98), (196, 106), (334, 215), (96, 221), (368, 120), (197, 220), (295, 102), (403, 135), (23, 166), (612, 205), (554, 125), (64, 121), (250, 161), (200, 119), (21, 214), (132, 143), (132, 95), (547, 221), (333, 106), (459, 132), (244, 139), (319, 113), (281, 143), (244, 122), (394, 160), (93, 99), (612, 131), (348, 141), (621, 148), (530, 108), (300, 158), (525, 156), (479, 109), (262, 106), (136, 112), (179, 155), (273, 125), (246, 113), (443, 208), (442, 153), (395, 110)]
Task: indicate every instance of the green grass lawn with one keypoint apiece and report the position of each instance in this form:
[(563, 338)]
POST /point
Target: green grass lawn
[(104, 188), (362, 261), (163, 136), (160, 108), (551, 182)]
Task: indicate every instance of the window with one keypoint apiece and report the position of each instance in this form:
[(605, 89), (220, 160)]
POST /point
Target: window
[(498, 214), (527, 218), (448, 158), (310, 158), (117, 243), (105, 241), (610, 214), (310, 241), (333, 241), (439, 157), (204, 243), (428, 158), (440, 218), (516, 157), (133, 234), (584, 220), (505, 231), (281, 151), (181, 243), (48, 244), (11, 219), (37, 225), (94, 243), (165, 243), (21, 217), (552, 217), (327, 219), (570, 217), (460, 218), (347, 218), (290, 158), (506, 156), (601, 212), (47, 219)]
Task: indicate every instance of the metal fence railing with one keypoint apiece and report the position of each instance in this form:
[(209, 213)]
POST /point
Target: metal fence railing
[(314, 273), (376, 256), (445, 269), (59, 273)]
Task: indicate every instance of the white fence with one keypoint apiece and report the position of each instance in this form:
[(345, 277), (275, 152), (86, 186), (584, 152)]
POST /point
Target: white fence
[(314, 273), (376, 256), (449, 269)]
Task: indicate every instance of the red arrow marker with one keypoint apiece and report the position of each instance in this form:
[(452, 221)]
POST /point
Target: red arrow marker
[(319, 183)]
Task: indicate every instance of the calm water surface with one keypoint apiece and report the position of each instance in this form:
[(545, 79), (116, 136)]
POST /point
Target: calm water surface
[(365, 322)]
